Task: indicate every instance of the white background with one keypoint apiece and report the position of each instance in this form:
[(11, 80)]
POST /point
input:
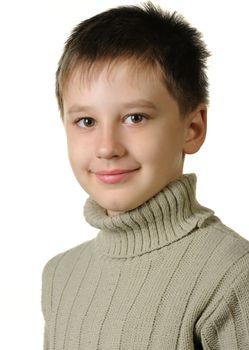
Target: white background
[(41, 203)]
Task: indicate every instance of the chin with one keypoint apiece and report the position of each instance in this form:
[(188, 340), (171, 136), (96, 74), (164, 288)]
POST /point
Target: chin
[(118, 208)]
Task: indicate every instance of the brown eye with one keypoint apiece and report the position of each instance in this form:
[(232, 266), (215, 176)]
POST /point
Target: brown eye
[(135, 118), (86, 122)]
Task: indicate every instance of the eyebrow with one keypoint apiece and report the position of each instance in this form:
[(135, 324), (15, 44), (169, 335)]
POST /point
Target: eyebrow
[(140, 103), (78, 108), (135, 103)]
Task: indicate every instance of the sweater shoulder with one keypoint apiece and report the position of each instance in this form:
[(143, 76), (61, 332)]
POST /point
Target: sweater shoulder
[(67, 257), (58, 268), (229, 232), (232, 245), (231, 253)]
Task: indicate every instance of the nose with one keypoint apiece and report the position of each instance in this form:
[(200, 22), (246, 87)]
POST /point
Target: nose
[(109, 143)]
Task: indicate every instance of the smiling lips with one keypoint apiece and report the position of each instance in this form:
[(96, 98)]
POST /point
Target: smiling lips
[(113, 176)]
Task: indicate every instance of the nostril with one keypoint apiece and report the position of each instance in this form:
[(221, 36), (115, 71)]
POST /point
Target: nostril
[(110, 150)]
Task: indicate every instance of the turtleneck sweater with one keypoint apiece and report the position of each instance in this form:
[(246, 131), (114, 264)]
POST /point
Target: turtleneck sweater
[(166, 275)]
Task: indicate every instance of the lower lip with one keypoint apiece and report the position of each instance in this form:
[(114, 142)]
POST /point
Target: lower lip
[(113, 179)]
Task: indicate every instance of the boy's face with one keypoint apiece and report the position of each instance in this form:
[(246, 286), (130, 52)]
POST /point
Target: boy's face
[(125, 136)]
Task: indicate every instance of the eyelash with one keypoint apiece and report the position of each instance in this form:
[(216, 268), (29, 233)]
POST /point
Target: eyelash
[(92, 119)]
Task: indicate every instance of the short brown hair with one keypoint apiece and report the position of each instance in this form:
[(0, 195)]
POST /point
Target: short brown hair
[(147, 33)]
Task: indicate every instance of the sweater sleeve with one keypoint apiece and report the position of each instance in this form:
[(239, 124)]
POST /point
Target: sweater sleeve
[(45, 342), (46, 302), (47, 291), (227, 327)]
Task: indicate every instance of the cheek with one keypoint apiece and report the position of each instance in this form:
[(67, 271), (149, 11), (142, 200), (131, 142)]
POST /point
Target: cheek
[(78, 153), (155, 148), (160, 149)]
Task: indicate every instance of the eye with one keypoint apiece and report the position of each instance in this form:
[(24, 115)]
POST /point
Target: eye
[(135, 118), (85, 122)]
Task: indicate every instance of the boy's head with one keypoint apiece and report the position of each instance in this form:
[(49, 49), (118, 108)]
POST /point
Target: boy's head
[(151, 37), (132, 91)]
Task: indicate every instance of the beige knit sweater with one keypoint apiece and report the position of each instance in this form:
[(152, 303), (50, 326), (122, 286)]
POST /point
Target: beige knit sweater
[(166, 275)]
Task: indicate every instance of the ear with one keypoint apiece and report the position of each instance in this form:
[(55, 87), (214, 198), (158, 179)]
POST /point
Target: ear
[(196, 129)]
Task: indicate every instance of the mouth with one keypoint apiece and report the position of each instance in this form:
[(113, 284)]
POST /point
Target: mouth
[(114, 176)]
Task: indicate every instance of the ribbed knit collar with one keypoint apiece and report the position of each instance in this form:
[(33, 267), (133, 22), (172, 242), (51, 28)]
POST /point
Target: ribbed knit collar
[(165, 218)]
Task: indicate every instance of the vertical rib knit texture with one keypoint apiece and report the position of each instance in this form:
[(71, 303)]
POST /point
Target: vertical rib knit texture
[(166, 275)]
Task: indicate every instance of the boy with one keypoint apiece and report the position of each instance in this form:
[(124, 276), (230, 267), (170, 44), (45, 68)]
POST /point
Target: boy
[(163, 272)]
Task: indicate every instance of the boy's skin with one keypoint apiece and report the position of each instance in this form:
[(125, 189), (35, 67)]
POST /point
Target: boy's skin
[(153, 146)]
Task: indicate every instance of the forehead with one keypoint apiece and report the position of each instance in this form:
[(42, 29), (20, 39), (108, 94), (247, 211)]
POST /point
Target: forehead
[(114, 85), (133, 71)]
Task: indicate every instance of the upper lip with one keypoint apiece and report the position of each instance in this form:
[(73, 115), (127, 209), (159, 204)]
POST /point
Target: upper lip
[(114, 171)]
